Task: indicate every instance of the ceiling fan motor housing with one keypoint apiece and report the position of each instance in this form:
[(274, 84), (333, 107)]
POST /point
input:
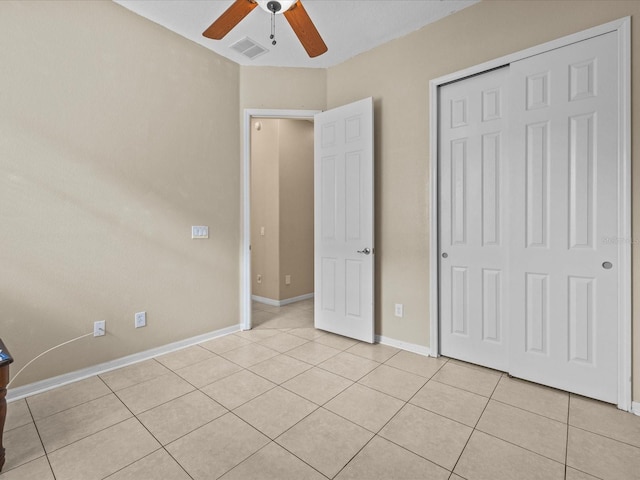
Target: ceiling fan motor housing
[(273, 6)]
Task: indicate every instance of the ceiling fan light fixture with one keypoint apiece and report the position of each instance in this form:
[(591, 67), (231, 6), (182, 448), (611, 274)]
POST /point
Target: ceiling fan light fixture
[(269, 5)]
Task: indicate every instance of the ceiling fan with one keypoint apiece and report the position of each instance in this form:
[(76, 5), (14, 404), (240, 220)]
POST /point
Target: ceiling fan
[(293, 11)]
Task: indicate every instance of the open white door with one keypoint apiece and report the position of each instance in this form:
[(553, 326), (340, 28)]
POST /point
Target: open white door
[(344, 249)]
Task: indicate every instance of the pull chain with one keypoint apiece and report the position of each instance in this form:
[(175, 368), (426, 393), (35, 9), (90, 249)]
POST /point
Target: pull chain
[(273, 28)]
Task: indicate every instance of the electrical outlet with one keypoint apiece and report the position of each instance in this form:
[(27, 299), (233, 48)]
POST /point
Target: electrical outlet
[(259, 278), (399, 310), (99, 328), (141, 319), (287, 279)]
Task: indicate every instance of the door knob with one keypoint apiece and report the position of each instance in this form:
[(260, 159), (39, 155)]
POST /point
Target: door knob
[(366, 251), (607, 265), (445, 255)]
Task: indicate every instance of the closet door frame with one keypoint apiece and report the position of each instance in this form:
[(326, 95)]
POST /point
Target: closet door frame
[(624, 238)]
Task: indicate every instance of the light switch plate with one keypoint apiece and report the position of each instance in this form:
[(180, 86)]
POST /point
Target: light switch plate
[(201, 231), (399, 310)]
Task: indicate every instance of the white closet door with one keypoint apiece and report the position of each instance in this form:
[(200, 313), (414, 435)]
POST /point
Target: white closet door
[(473, 276), (563, 175)]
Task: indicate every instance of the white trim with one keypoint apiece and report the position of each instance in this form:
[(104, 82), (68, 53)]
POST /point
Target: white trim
[(281, 303), (434, 205), (410, 347), (623, 28), (635, 408), (625, 294), (245, 192), (54, 382)]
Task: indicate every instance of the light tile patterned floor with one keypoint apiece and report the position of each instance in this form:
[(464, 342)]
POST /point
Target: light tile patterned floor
[(286, 401)]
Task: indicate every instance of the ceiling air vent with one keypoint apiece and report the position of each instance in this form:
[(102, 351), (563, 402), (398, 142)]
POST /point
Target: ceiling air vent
[(249, 48)]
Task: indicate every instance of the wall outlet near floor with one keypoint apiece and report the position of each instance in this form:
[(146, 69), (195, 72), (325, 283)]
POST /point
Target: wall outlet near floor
[(99, 328), (259, 278), (399, 310), (141, 319), (287, 279)]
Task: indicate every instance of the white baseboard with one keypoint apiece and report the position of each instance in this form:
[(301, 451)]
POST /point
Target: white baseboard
[(635, 408), (411, 347), (54, 382), (281, 303)]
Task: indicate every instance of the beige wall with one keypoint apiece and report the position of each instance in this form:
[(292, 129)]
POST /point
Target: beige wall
[(265, 208), (283, 88), (296, 207), (113, 143), (282, 204), (397, 75)]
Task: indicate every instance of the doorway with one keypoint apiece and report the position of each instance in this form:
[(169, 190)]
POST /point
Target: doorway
[(343, 216), (282, 222), (251, 116)]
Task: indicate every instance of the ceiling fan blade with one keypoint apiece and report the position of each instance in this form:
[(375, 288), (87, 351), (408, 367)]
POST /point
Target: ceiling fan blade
[(306, 31), (229, 19)]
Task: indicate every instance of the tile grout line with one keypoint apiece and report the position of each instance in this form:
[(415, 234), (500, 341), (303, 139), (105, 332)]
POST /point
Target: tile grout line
[(46, 454), (355, 454), (177, 462), (35, 424), (414, 453), (74, 406), (507, 441), (522, 409), (476, 425), (406, 402), (566, 446), (635, 447), (519, 446), (273, 440), (329, 411), (262, 448), (162, 447)]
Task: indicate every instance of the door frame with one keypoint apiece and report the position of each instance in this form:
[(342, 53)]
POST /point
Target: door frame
[(622, 27), (245, 192)]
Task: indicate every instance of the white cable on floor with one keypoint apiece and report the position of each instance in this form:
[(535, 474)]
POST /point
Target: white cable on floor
[(52, 348)]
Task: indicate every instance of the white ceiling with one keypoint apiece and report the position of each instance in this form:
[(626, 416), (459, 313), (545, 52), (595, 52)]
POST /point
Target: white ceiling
[(347, 27)]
